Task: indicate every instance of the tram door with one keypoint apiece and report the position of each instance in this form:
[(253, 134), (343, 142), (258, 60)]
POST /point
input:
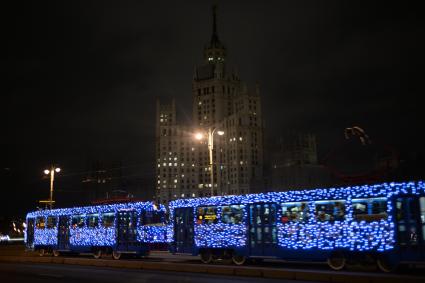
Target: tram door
[(183, 229), (63, 233), (126, 233), (410, 217), (30, 233), (262, 229)]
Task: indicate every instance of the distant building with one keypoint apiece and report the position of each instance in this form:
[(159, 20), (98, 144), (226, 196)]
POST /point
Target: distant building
[(295, 165), (223, 102)]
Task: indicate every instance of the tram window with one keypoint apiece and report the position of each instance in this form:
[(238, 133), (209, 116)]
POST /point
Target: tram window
[(369, 209), (207, 215), (77, 221), (422, 209), (108, 219), (40, 222), (92, 220), (422, 212), (330, 210), (232, 214), (295, 212), (149, 217), (379, 206), (51, 222)]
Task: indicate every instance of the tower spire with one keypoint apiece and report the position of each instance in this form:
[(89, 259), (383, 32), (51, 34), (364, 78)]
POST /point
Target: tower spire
[(214, 37), (215, 52)]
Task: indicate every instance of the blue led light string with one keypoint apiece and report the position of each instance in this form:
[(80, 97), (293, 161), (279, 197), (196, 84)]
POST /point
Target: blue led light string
[(347, 234), (99, 235)]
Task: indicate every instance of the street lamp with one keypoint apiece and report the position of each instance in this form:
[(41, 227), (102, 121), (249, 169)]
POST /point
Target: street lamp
[(199, 136), (51, 172)]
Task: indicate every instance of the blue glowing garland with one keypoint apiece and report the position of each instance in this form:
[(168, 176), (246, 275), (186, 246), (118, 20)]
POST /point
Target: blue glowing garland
[(96, 236), (347, 234)]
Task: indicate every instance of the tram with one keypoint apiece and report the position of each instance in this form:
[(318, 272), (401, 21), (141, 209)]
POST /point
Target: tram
[(121, 228), (383, 222)]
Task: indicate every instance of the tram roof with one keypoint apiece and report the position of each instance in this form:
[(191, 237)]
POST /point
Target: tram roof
[(349, 192), (104, 208)]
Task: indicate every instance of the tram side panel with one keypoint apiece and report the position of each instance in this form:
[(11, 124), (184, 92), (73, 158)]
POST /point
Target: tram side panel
[(308, 225), (134, 228)]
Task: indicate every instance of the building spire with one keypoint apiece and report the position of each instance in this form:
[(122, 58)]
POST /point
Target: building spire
[(214, 37), (216, 51)]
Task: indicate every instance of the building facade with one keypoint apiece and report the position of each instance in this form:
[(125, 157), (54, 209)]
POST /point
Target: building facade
[(221, 102), (295, 164)]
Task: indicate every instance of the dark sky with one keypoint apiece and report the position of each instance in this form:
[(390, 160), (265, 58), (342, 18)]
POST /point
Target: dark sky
[(82, 77)]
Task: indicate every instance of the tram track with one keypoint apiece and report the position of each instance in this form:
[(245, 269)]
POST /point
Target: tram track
[(163, 261)]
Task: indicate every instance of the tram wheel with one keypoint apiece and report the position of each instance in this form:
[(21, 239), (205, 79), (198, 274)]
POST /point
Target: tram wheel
[(97, 254), (41, 252), (116, 255), (337, 261), (238, 259), (206, 256), (56, 253), (385, 264)]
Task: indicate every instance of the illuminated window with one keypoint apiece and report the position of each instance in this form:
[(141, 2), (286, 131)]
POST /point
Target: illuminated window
[(333, 210), (232, 214), (152, 217), (51, 222), (108, 219), (92, 220), (40, 222), (207, 215), (77, 221), (295, 212), (369, 209)]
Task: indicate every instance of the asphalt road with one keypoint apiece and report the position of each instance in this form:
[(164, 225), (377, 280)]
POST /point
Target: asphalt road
[(18, 250), (52, 273)]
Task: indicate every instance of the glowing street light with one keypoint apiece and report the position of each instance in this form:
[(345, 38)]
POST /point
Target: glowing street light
[(200, 136), (51, 172)]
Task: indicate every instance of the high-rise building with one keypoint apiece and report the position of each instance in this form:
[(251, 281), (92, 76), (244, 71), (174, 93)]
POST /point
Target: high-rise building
[(295, 164), (221, 102)]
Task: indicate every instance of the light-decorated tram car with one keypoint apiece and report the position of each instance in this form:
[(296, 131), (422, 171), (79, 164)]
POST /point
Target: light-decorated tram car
[(384, 222), (121, 228)]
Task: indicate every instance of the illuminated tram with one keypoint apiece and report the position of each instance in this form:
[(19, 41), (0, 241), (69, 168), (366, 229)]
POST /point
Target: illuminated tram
[(384, 222), (121, 228)]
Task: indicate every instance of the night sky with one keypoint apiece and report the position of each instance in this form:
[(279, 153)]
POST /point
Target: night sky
[(82, 78)]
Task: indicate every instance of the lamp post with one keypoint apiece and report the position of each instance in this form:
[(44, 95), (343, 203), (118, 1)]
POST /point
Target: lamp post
[(199, 136), (51, 172)]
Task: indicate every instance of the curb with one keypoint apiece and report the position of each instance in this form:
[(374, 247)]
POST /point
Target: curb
[(317, 276)]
